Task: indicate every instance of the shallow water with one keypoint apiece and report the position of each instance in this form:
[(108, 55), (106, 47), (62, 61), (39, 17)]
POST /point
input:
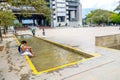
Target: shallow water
[(49, 55)]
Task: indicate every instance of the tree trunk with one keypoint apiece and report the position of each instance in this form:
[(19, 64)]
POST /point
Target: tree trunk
[(1, 34), (4, 31)]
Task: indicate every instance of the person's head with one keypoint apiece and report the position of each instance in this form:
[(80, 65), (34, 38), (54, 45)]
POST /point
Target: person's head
[(23, 42)]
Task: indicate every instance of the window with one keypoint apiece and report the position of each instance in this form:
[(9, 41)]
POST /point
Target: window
[(53, 4), (61, 18)]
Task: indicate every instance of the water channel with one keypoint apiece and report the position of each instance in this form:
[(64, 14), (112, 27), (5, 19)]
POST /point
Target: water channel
[(49, 55)]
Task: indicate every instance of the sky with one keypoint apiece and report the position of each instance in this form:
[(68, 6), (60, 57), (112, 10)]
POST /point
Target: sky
[(88, 5)]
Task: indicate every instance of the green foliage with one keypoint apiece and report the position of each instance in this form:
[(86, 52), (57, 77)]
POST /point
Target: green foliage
[(6, 18), (103, 16), (26, 7), (99, 16), (32, 6), (115, 18), (17, 24)]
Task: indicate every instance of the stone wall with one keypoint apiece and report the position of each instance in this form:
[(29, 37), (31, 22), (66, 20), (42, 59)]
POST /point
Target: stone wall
[(108, 41)]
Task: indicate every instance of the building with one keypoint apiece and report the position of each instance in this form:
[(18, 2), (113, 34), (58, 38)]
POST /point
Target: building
[(65, 13)]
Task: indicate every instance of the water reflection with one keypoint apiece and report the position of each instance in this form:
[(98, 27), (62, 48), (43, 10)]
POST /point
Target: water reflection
[(49, 55)]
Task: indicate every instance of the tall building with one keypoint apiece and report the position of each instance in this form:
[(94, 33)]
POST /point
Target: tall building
[(66, 13)]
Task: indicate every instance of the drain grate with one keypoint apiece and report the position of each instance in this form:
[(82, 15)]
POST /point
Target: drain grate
[(1, 48)]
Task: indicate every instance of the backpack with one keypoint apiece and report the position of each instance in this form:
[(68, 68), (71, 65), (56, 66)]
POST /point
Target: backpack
[(19, 49)]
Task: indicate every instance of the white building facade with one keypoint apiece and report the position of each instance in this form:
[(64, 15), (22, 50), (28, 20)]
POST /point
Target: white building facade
[(66, 13)]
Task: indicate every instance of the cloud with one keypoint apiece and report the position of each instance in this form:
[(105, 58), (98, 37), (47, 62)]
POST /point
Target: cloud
[(100, 4)]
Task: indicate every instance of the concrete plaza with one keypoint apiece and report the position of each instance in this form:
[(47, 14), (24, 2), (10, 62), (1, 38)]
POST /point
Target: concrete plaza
[(13, 66)]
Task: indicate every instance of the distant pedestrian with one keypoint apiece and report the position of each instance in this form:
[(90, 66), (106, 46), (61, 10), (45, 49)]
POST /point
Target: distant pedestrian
[(33, 31), (43, 32)]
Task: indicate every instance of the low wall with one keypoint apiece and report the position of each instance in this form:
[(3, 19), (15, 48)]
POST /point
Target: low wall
[(108, 41)]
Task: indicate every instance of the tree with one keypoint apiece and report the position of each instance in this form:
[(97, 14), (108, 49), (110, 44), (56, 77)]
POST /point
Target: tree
[(99, 17), (25, 6), (17, 25), (117, 8), (32, 6), (6, 19), (115, 18)]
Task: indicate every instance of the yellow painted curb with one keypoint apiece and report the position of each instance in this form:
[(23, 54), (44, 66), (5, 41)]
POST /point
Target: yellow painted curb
[(28, 59), (68, 47), (31, 65), (92, 55), (16, 40), (65, 65)]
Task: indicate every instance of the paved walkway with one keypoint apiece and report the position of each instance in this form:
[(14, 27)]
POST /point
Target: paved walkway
[(105, 67)]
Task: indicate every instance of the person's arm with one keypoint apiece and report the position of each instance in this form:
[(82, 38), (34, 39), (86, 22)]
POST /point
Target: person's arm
[(23, 48), (27, 47)]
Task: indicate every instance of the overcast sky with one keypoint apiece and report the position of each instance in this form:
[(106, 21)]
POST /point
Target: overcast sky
[(100, 4)]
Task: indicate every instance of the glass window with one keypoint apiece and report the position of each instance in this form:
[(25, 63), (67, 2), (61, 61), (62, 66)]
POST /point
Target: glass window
[(61, 18)]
